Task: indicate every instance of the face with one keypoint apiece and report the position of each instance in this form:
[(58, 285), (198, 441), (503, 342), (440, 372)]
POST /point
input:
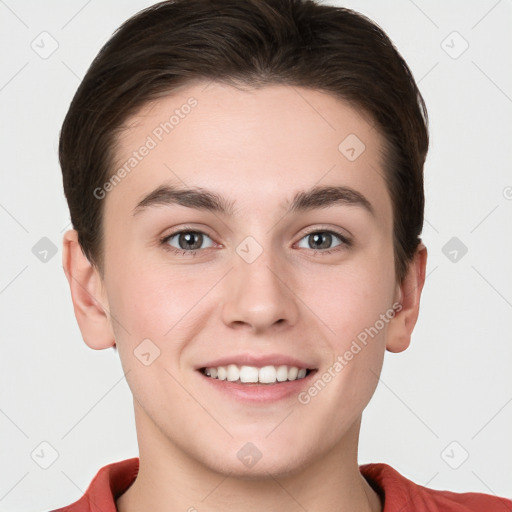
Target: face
[(280, 254)]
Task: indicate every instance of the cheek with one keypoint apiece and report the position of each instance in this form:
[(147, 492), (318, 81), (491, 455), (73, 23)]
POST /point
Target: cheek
[(357, 310), (355, 305), (154, 313), (351, 299), (138, 300), (150, 300)]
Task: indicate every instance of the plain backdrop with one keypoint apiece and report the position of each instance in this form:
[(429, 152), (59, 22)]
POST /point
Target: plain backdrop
[(442, 413)]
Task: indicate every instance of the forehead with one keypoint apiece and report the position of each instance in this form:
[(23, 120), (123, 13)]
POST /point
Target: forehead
[(256, 146)]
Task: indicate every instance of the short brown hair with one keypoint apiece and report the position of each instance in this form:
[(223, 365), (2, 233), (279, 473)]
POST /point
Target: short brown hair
[(256, 43)]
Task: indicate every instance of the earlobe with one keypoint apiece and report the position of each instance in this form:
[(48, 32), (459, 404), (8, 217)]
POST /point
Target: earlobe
[(401, 327), (86, 288)]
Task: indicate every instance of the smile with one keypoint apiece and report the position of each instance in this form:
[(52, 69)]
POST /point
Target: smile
[(269, 374)]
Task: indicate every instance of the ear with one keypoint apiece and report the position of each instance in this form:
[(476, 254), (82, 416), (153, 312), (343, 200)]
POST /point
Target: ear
[(408, 295), (87, 293)]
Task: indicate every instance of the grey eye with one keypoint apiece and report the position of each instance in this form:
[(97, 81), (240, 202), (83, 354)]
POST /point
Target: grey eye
[(321, 240), (188, 240)]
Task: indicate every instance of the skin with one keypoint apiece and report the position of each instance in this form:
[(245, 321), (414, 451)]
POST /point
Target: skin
[(256, 147)]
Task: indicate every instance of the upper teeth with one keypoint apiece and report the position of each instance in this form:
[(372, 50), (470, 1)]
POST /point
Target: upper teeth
[(265, 375)]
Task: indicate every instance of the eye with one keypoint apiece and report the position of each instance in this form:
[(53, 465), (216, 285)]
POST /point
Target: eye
[(187, 241), (323, 240)]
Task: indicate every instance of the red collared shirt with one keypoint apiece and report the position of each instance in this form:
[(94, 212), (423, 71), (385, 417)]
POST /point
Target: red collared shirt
[(397, 492)]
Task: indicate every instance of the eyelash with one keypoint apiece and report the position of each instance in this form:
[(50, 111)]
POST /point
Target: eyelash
[(345, 242)]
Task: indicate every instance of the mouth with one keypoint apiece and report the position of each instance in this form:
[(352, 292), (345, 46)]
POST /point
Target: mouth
[(267, 375), (257, 379)]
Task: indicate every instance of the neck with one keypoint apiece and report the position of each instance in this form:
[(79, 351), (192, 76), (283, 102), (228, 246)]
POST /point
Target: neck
[(169, 479)]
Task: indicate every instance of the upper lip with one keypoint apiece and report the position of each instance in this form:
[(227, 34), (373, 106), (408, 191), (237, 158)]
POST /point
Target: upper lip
[(258, 360)]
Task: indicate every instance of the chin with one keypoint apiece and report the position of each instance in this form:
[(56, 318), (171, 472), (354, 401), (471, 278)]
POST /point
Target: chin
[(257, 460), (278, 467)]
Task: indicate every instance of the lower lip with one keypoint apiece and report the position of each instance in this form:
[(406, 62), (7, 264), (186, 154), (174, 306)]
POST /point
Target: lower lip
[(261, 393)]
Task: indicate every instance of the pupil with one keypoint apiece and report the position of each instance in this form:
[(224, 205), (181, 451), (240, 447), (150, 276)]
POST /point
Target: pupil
[(318, 237), (187, 239)]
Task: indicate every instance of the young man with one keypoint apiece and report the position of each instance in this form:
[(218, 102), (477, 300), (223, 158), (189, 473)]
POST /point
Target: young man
[(245, 183)]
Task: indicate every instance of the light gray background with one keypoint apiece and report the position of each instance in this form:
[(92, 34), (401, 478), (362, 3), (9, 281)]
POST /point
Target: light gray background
[(453, 383)]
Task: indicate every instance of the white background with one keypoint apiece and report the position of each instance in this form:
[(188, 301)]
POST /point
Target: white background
[(453, 383)]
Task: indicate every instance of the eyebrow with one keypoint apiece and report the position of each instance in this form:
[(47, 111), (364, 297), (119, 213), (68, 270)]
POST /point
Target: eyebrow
[(202, 199)]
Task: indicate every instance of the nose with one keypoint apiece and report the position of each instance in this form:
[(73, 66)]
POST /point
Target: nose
[(260, 296)]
